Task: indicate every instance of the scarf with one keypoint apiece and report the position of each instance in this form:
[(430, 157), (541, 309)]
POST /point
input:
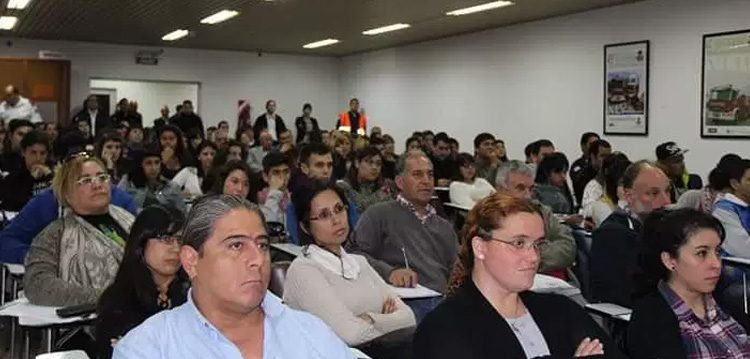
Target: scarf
[(345, 266)]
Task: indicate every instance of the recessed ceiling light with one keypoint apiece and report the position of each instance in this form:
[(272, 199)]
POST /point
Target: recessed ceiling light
[(7, 22), (18, 4), (321, 43), (220, 16), (388, 28), (481, 7), (174, 35)]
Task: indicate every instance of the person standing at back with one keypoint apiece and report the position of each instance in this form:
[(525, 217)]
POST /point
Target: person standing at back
[(187, 120), (307, 126), (352, 121), (269, 121)]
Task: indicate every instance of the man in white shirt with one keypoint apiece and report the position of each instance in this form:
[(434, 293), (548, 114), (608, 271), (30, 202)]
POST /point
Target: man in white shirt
[(270, 121), (17, 107)]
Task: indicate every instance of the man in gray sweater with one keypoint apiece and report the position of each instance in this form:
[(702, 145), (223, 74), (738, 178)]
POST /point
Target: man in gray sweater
[(405, 240)]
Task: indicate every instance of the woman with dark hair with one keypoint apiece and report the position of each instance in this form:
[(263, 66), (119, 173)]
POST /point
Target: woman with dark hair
[(551, 185), (413, 143), (149, 280), (364, 185), (389, 157), (612, 169), (146, 184), (234, 178), (679, 318), (467, 188), (340, 288), (589, 186), (342, 155), (109, 149), (489, 311), (190, 179), (174, 156), (502, 153), (307, 126), (718, 185)]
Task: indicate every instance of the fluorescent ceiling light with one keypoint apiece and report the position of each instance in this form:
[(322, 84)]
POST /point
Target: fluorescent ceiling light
[(388, 28), (7, 22), (321, 43), (174, 35), (18, 4), (481, 7), (220, 16)]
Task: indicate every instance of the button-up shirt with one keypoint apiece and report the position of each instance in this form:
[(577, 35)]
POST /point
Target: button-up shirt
[(184, 332), (22, 110), (429, 210), (716, 336)]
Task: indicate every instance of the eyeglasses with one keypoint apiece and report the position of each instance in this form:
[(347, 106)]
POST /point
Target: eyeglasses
[(327, 214), (89, 180), (520, 245)]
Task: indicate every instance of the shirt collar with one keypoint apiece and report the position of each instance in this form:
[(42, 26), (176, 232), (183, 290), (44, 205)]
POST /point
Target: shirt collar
[(429, 210), (734, 199), (271, 305), (682, 310)]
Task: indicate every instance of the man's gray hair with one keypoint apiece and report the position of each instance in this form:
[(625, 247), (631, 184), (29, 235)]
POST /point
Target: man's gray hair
[(401, 161), (207, 210), (512, 166)]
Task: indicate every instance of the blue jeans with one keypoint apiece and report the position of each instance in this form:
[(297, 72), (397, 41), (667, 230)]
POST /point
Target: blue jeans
[(422, 307)]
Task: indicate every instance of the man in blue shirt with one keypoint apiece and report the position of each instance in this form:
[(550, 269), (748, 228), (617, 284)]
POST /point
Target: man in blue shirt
[(39, 212), (229, 313)]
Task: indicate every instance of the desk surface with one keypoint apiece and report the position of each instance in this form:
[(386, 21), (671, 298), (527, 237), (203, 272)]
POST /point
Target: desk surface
[(15, 269), (30, 315), (289, 248)]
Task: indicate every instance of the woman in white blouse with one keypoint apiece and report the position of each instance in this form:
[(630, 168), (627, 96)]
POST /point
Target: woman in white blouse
[(611, 173), (468, 189), (340, 288), (190, 178)]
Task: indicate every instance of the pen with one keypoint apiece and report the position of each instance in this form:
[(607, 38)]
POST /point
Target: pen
[(406, 260)]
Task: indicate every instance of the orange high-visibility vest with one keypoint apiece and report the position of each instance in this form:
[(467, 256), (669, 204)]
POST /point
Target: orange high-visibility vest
[(345, 123)]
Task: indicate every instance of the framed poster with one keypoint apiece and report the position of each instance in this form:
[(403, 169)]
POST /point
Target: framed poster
[(626, 89), (725, 90)]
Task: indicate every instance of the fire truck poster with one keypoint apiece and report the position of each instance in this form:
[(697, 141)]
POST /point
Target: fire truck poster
[(725, 105), (626, 88)]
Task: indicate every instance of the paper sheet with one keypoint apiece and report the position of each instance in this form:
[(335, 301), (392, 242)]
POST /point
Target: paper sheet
[(289, 248), (416, 292)]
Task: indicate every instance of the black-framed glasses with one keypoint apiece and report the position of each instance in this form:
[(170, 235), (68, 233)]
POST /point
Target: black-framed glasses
[(328, 213), (89, 180), (521, 245)]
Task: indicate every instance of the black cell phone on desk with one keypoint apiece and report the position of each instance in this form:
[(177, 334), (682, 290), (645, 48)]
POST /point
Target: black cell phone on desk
[(78, 310)]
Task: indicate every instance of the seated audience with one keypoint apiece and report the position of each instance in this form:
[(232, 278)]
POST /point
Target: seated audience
[(364, 186), (109, 149), (315, 165), (173, 153), (134, 139), (233, 178), (679, 317), (287, 147), (539, 149), (445, 165), (235, 150), (257, 153), (389, 157), (405, 240), (598, 151), (718, 185), (149, 279), (11, 160), (340, 288), (487, 161), (342, 156), (615, 245), (551, 185), (490, 311), (671, 160), (467, 188), (147, 185), (76, 257), (229, 313), (516, 179), (274, 198), (613, 168), (18, 187), (190, 179), (414, 143), (733, 211), (580, 174), (502, 153)]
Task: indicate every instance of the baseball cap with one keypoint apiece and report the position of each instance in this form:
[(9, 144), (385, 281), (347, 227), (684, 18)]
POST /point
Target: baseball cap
[(668, 150)]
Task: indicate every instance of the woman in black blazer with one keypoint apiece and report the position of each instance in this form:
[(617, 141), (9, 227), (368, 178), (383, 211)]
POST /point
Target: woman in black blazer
[(681, 265), (300, 123), (490, 312)]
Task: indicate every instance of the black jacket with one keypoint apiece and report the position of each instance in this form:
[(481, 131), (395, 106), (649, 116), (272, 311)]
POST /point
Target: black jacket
[(102, 122), (445, 168), (466, 326), (19, 187), (315, 135), (580, 175), (653, 331), (119, 311), (261, 123), (190, 124), (614, 258)]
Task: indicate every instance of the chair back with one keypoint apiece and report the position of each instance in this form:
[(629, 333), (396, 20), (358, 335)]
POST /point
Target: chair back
[(278, 276)]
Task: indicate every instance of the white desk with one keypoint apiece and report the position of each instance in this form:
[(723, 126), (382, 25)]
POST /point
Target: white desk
[(288, 248)]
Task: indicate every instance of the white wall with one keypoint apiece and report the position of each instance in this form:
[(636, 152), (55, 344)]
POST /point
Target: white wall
[(224, 76), (544, 79)]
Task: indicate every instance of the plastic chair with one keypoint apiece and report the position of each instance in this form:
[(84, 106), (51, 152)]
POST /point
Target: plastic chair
[(73, 354)]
